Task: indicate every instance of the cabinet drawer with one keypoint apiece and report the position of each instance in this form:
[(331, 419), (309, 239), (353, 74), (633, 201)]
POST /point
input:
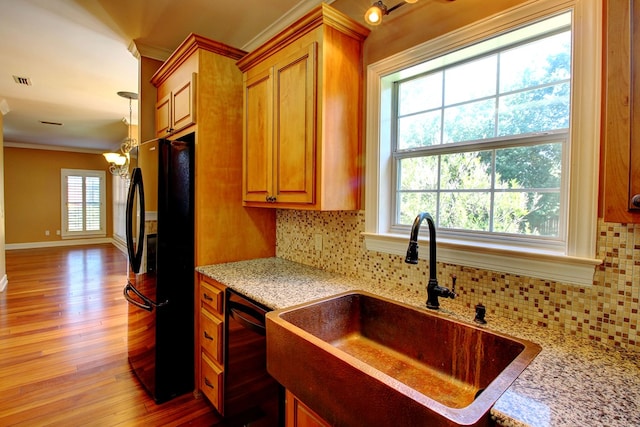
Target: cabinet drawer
[(211, 382), (211, 296), (211, 334)]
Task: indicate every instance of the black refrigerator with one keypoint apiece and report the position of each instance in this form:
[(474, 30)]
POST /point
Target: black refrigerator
[(160, 282)]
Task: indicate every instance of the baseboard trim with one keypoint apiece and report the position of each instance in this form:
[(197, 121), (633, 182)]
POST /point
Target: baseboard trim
[(120, 244), (75, 242), (3, 283)]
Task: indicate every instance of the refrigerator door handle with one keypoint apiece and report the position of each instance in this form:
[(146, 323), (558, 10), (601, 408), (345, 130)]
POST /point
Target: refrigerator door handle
[(135, 189), (146, 304)]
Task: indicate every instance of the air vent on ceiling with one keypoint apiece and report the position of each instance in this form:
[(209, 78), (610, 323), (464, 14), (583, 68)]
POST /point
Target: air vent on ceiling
[(22, 80), (50, 123)]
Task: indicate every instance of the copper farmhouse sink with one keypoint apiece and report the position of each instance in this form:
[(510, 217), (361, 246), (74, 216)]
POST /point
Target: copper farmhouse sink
[(362, 360)]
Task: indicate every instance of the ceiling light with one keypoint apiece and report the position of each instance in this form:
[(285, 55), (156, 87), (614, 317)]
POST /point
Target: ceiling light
[(374, 14), (119, 162), (378, 9)]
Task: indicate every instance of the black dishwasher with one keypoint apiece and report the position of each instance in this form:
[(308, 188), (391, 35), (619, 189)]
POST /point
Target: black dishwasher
[(251, 394)]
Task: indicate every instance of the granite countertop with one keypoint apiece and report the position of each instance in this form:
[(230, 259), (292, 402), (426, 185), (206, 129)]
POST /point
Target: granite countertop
[(572, 382)]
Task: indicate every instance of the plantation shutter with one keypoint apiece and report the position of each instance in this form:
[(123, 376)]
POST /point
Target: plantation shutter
[(83, 207)]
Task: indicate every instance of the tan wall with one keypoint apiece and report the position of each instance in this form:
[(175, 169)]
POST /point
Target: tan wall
[(3, 264), (147, 99), (32, 191), (416, 23)]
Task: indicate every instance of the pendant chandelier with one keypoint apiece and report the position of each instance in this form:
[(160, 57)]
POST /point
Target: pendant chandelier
[(119, 162)]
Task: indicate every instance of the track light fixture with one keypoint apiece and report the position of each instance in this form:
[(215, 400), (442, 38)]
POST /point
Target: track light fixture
[(378, 9)]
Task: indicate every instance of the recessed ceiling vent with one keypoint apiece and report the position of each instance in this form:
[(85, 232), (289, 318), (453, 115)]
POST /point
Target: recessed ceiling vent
[(22, 80)]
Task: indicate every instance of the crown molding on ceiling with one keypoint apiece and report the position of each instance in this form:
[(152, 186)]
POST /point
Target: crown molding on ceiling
[(139, 49), (32, 146), (288, 18)]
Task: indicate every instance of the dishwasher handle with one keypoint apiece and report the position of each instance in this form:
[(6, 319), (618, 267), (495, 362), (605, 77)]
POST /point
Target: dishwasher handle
[(146, 304), (256, 324)]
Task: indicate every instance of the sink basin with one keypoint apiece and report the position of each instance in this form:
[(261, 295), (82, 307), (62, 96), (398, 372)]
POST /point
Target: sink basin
[(358, 359)]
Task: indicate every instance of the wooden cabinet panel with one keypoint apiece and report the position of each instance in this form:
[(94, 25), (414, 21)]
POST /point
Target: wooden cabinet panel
[(211, 296), (257, 149), (176, 110), (163, 115), (209, 344), (211, 333), (620, 153), (300, 415), (183, 103), (294, 133), (211, 382)]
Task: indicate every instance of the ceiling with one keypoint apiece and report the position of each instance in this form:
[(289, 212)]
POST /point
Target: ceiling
[(76, 55)]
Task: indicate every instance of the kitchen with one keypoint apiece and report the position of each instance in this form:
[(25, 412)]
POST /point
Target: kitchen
[(604, 312)]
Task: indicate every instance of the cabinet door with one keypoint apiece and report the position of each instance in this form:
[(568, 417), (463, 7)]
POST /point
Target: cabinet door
[(620, 154), (295, 127), (183, 109), (300, 415), (163, 115), (211, 331), (177, 109), (257, 147), (211, 382)]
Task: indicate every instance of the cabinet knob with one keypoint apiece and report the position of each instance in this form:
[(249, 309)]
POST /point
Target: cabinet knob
[(208, 383), (635, 201), (207, 297), (207, 336), (271, 199)]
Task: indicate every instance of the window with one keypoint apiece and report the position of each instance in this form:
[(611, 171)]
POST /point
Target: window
[(119, 190), (494, 130), (486, 154), (83, 203)]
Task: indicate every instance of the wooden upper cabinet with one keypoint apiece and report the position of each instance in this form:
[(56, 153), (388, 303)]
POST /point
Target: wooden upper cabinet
[(177, 108), (302, 117), (620, 162), (177, 83)]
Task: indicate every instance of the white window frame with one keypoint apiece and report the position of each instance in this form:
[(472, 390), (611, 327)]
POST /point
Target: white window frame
[(65, 233), (574, 263)]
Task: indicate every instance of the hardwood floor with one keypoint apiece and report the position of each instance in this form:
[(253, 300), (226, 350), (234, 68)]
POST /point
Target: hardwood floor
[(63, 354)]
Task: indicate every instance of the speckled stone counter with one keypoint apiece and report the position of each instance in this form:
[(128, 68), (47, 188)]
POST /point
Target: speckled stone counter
[(572, 382)]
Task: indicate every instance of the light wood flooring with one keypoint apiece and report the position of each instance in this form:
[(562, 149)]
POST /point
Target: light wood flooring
[(63, 355)]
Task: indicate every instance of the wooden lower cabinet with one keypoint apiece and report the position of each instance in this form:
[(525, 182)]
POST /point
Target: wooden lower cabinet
[(210, 341), (211, 381), (300, 415)]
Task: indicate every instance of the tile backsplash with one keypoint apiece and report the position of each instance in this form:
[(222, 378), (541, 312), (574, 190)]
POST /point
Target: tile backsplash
[(606, 312)]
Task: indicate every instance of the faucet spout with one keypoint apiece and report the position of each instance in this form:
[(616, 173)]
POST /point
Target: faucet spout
[(412, 252), (433, 289)]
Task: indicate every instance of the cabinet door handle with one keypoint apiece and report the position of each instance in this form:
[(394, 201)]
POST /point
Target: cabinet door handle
[(207, 382), (207, 297), (635, 201), (207, 336)]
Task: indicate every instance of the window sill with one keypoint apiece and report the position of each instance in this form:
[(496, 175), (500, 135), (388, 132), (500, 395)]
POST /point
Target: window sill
[(82, 235), (547, 266)]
